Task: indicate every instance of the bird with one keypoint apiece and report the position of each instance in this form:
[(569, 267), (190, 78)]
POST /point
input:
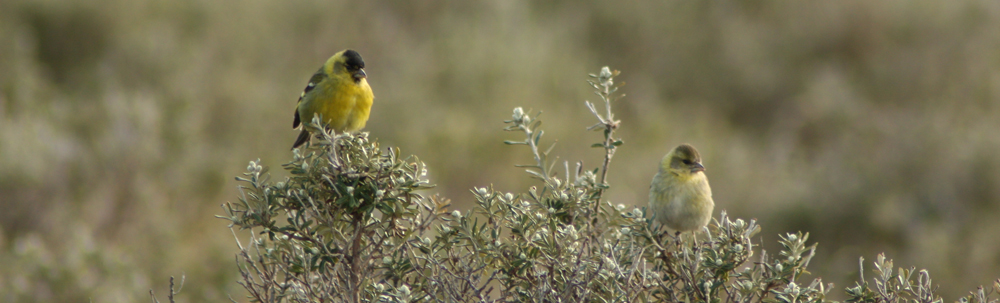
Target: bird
[(339, 93), (679, 195)]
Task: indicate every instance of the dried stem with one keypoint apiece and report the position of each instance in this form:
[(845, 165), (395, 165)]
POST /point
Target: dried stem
[(605, 88)]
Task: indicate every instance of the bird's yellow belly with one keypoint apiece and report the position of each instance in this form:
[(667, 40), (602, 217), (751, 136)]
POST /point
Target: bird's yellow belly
[(346, 112), (681, 207)]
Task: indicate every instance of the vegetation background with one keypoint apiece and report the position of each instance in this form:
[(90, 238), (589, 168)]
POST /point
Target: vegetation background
[(872, 125)]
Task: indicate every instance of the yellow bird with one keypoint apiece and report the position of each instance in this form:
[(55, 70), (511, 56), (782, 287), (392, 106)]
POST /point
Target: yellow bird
[(679, 196), (339, 93)]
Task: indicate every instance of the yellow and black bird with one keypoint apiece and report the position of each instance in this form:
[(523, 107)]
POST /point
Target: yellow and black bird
[(679, 196), (339, 93)]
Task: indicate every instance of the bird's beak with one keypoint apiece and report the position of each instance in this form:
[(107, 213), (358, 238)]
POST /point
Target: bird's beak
[(360, 74), (697, 167)]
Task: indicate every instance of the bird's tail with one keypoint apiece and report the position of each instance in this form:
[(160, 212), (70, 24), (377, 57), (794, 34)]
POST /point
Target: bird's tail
[(303, 137)]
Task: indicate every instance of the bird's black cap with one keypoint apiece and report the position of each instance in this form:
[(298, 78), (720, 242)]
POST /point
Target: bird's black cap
[(353, 60)]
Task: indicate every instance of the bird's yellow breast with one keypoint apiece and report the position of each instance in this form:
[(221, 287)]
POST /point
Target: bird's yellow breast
[(682, 202), (343, 104)]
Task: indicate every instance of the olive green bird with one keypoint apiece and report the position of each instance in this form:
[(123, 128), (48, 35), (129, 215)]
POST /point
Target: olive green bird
[(679, 196), (339, 93)]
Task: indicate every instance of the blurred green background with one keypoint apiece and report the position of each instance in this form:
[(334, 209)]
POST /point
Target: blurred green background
[(872, 125)]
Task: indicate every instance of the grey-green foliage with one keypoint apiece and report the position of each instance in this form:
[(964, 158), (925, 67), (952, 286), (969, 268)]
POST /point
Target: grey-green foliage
[(901, 286), (322, 234), (348, 226)]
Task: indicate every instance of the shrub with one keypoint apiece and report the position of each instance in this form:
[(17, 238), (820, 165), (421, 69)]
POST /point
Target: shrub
[(351, 225)]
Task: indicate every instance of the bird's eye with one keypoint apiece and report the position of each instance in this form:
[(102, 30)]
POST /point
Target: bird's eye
[(686, 162)]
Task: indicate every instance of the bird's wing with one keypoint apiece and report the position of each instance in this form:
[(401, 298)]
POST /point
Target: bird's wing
[(315, 80)]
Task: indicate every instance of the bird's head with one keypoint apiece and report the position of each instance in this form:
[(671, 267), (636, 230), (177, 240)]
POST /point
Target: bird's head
[(349, 62), (683, 161)]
